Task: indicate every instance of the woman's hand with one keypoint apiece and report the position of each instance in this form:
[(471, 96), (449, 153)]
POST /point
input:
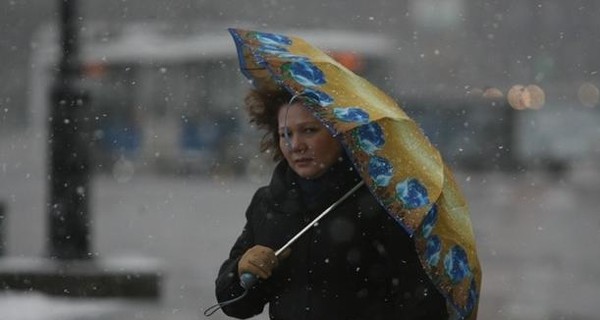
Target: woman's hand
[(259, 261)]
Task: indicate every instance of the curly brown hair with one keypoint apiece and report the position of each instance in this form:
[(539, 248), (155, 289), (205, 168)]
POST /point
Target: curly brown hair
[(262, 105)]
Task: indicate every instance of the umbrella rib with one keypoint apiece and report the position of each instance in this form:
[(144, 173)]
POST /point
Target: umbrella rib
[(324, 213)]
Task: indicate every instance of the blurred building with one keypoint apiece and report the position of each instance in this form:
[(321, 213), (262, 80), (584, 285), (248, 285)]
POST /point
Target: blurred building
[(444, 49), (446, 45)]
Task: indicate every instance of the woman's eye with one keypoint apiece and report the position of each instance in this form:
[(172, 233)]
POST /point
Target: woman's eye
[(310, 130)]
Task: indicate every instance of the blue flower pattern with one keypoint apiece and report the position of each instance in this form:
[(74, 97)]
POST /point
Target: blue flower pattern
[(319, 97), (456, 264), (271, 49), (351, 115), (292, 57), (429, 221), (300, 68), (381, 171), (472, 300), (306, 73), (432, 251), (369, 137), (273, 39), (412, 194)]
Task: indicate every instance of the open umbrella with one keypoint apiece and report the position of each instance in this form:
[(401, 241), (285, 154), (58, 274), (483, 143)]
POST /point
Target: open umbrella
[(396, 161)]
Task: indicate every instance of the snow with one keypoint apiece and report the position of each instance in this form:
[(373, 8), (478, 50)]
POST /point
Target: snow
[(35, 306), (124, 263)]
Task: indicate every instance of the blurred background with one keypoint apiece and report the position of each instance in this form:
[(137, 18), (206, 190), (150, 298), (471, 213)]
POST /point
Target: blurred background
[(507, 90)]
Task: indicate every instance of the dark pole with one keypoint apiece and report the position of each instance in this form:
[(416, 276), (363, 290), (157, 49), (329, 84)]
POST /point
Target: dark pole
[(2, 227), (69, 226)]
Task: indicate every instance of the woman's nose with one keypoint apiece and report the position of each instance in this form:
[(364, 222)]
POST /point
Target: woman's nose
[(297, 144)]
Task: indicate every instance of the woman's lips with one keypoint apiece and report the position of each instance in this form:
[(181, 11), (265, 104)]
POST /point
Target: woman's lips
[(303, 161)]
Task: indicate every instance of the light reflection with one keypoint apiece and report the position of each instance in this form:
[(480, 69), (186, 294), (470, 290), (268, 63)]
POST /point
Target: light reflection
[(526, 97), (518, 97), (588, 94), (492, 93), (537, 96)]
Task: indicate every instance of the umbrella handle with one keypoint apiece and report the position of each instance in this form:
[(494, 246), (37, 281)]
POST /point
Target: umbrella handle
[(248, 280)]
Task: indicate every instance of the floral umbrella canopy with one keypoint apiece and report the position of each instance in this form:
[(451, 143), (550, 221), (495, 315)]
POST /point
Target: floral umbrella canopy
[(397, 162)]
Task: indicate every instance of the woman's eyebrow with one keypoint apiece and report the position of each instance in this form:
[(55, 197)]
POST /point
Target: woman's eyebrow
[(301, 124), (309, 123)]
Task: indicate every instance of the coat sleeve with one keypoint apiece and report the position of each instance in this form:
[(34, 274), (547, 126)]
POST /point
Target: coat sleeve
[(228, 283)]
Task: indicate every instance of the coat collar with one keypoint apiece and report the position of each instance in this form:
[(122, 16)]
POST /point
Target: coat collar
[(294, 194)]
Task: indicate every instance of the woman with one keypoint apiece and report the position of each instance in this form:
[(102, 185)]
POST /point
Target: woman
[(356, 263)]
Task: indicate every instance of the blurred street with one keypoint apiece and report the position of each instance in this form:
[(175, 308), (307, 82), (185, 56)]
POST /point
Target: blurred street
[(537, 237)]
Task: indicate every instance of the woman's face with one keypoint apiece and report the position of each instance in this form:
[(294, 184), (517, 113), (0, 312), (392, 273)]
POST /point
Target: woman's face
[(309, 148)]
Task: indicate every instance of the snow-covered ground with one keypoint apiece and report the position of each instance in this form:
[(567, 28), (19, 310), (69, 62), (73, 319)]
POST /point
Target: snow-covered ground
[(35, 306), (537, 234)]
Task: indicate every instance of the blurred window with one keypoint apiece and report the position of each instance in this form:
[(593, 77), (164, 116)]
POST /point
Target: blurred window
[(437, 14)]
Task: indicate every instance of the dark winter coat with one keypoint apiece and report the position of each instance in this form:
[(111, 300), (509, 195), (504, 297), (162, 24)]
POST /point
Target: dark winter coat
[(357, 263)]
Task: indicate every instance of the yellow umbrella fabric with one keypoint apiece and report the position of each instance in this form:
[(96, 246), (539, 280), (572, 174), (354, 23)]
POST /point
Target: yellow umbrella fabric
[(397, 162)]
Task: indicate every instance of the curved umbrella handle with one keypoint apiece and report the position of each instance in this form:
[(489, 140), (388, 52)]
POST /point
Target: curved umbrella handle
[(248, 280)]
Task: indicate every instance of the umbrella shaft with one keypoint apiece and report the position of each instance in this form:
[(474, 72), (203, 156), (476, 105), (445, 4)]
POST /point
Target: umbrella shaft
[(324, 213)]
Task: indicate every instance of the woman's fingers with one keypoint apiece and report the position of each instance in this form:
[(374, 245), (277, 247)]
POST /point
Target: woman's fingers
[(258, 260)]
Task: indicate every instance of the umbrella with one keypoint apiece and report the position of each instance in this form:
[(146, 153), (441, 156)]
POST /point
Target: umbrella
[(395, 160)]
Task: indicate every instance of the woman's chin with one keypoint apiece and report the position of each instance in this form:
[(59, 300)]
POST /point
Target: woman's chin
[(307, 172)]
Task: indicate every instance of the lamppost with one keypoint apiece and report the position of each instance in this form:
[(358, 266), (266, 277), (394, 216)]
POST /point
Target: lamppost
[(69, 269), (69, 225)]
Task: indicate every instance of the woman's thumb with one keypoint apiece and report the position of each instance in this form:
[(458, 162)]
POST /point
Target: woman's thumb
[(286, 253)]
